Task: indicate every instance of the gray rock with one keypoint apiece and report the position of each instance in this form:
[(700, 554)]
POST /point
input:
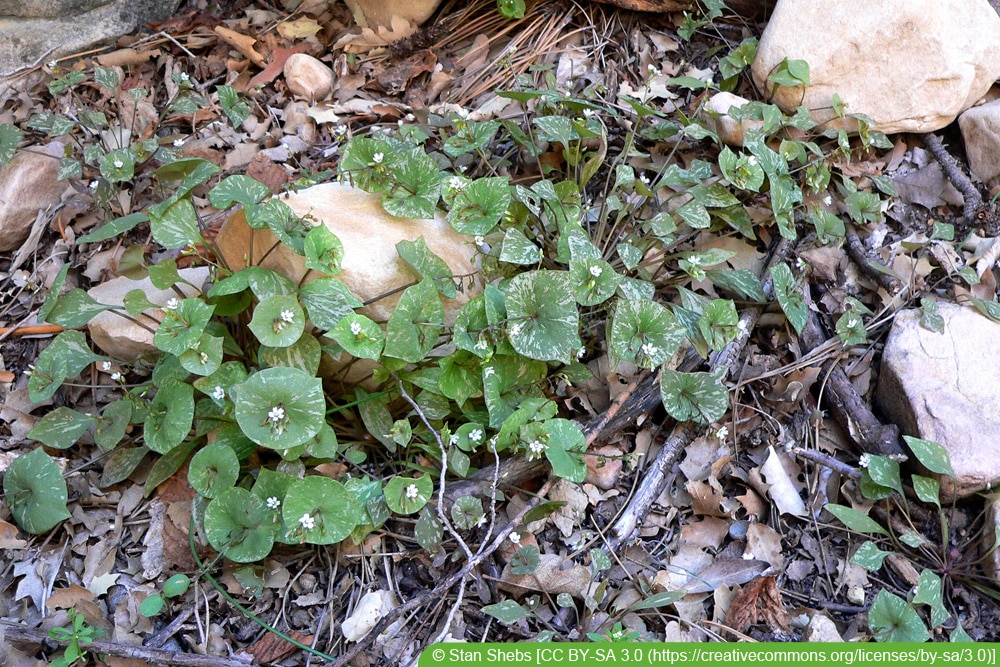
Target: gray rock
[(34, 31), (910, 65), (981, 131), (943, 387)]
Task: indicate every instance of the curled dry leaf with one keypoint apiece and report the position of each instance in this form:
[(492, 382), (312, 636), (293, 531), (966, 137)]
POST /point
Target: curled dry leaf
[(758, 602)]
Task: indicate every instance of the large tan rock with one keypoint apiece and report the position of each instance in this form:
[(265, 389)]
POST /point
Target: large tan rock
[(910, 65), (125, 339), (28, 185), (981, 132), (371, 269), (371, 13), (943, 387)]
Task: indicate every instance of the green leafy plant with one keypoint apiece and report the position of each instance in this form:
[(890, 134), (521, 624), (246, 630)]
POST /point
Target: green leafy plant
[(234, 389), (79, 633), (892, 618)]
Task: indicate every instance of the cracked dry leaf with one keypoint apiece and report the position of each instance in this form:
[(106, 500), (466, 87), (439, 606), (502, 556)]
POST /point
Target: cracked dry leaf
[(759, 602)]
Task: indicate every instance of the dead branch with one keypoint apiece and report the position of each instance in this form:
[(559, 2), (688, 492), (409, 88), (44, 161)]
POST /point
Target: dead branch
[(872, 268), (974, 204), (845, 402), (14, 632)]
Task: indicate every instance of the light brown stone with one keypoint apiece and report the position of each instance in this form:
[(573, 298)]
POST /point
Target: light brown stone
[(308, 77), (124, 339), (909, 65), (943, 387), (981, 132), (28, 185), (371, 269), (729, 129)]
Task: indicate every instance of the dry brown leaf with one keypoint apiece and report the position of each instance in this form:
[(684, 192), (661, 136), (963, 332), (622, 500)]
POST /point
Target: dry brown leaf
[(723, 571), (370, 39), (304, 28), (759, 602), (268, 172), (272, 648), (396, 78), (8, 537), (928, 187), (242, 43), (127, 57)]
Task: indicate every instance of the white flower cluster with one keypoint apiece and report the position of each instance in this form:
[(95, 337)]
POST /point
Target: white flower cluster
[(412, 492), (307, 522)]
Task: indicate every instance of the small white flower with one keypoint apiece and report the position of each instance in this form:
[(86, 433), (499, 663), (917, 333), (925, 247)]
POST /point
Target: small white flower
[(742, 326), (489, 372), (596, 271), (479, 239), (203, 358), (514, 537), (694, 260), (29, 370), (183, 76), (218, 393), (172, 304), (116, 376), (118, 163), (864, 460), (644, 178), (722, 433), (453, 440), (287, 316), (480, 344), (511, 50), (339, 131), (356, 328), (412, 492), (307, 522), (178, 143), (649, 349), (536, 447), (828, 200), (579, 353), (476, 435), (516, 330), (456, 183), (801, 264), (273, 503), (752, 160), (653, 70), (377, 158), (588, 112), (276, 414), (105, 366), (93, 184), (52, 64), (748, 555)]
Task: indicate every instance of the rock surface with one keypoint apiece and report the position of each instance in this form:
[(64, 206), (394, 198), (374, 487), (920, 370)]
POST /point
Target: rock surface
[(981, 131), (371, 267), (124, 339), (28, 185), (943, 387), (370, 13), (35, 31), (729, 129), (308, 77), (910, 65)]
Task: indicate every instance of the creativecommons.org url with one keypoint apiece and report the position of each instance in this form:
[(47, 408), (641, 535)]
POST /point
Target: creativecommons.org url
[(857, 655)]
